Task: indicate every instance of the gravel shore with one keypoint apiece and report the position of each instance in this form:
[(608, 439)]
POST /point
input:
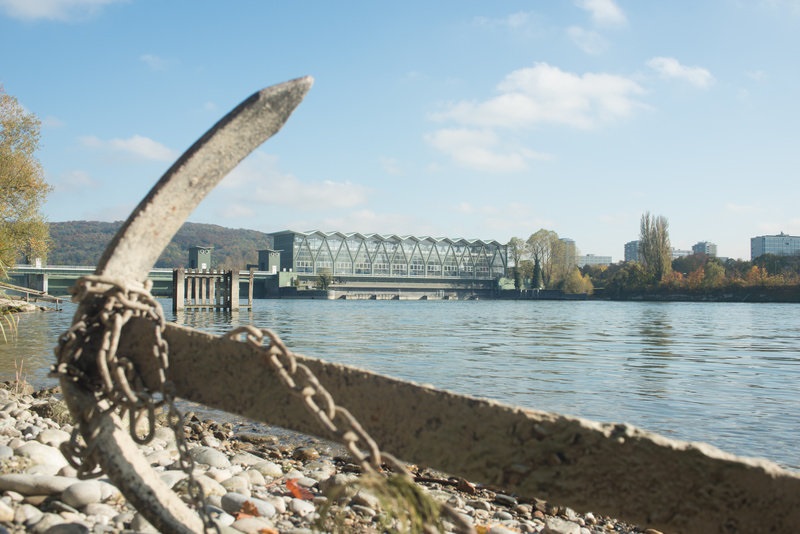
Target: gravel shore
[(253, 483)]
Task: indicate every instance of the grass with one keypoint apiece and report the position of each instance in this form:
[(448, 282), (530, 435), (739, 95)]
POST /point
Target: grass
[(21, 385), (11, 321), (405, 506)]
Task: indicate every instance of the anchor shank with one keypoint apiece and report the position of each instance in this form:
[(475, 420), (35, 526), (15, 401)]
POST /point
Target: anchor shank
[(615, 470)]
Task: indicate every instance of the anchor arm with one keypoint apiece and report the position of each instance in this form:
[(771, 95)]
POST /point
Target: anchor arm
[(128, 259)]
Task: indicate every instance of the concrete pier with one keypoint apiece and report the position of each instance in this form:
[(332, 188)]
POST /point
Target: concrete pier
[(208, 289)]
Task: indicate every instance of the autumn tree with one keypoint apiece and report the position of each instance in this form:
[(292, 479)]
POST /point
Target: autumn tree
[(547, 252), (516, 252), (576, 282), (655, 253), (23, 230), (713, 274)]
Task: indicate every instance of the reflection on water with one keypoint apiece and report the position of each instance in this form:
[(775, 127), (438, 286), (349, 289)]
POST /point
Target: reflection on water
[(722, 373), (32, 345)]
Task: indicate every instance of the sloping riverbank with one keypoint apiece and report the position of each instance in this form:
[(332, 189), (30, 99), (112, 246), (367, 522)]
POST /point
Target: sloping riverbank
[(253, 483), (18, 305)]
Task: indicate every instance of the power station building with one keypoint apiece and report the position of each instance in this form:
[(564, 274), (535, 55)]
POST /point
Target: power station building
[(389, 263)]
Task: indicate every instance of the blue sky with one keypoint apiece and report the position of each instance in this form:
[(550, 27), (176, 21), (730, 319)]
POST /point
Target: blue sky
[(452, 118)]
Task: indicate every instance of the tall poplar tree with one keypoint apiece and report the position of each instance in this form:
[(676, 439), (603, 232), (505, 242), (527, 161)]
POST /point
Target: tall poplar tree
[(655, 252), (516, 250), (23, 230)]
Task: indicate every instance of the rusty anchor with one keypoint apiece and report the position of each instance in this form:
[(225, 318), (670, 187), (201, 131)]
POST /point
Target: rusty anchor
[(611, 469)]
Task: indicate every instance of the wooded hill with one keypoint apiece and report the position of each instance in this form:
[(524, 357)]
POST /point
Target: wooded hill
[(83, 242)]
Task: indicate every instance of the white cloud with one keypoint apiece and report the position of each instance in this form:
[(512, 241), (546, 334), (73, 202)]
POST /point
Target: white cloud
[(546, 94), (154, 62), (259, 178), (793, 6), (76, 181), (52, 122), (369, 221), (391, 166), (528, 98), (589, 41), (671, 68), (503, 221), (478, 149), (740, 208), (236, 211), (468, 208), (513, 21), (139, 146), (603, 12), (61, 10)]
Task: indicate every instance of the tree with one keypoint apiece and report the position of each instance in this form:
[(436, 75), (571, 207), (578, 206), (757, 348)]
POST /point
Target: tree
[(713, 274), (516, 251), (324, 279), (23, 230), (538, 279), (655, 253), (629, 277), (692, 262), (547, 252), (575, 282)]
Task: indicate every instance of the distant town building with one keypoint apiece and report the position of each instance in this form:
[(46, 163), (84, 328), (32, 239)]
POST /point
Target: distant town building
[(570, 251), (781, 245), (591, 259), (705, 247), (632, 251)]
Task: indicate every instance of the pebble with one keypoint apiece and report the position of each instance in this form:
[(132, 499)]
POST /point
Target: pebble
[(82, 493), (40, 453), (52, 437), (210, 457), (6, 512), (301, 507), (234, 502), (556, 525), (244, 478), (252, 525), (35, 484)]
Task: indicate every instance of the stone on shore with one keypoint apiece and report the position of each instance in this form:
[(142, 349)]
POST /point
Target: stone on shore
[(253, 484)]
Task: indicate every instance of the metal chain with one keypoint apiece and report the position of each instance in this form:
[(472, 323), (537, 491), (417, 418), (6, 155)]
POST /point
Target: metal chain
[(299, 379), (113, 378), (302, 382)]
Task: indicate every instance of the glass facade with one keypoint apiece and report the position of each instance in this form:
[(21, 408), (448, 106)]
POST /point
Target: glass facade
[(781, 245), (374, 255)]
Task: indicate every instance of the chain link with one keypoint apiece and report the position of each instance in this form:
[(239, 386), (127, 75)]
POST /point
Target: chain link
[(299, 379), (302, 382), (114, 380)]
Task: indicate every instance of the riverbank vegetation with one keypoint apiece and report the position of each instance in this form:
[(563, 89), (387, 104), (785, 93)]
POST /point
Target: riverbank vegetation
[(545, 261), (23, 230), (83, 243)]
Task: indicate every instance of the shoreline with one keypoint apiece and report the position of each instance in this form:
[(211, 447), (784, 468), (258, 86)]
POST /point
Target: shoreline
[(287, 480)]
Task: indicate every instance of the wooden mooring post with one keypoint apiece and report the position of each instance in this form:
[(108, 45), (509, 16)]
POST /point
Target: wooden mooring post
[(194, 289)]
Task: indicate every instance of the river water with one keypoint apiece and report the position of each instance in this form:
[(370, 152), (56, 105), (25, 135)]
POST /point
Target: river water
[(725, 374)]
